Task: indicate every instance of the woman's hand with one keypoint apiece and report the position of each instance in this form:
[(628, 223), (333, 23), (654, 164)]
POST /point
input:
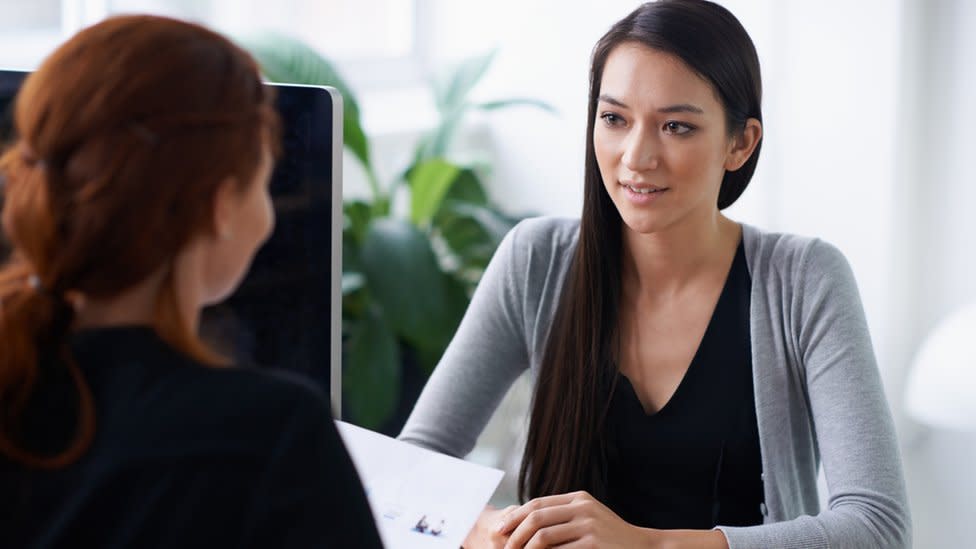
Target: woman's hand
[(568, 520), (484, 535)]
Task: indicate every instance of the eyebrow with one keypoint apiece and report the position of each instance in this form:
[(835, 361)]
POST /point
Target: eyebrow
[(682, 107)]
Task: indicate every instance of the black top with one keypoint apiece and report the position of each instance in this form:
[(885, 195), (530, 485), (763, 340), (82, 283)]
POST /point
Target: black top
[(186, 455), (696, 462)]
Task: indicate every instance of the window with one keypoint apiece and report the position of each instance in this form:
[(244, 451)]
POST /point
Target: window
[(374, 42), (22, 16), (28, 30)]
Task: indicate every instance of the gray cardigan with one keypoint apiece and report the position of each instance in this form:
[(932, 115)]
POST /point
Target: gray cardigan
[(819, 396)]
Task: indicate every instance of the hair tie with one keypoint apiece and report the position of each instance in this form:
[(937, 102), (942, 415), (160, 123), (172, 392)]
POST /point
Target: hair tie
[(34, 282), (29, 157)]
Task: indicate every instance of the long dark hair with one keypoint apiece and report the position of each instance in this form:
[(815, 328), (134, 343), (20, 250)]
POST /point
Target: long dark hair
[(565, 446), (124, 135)]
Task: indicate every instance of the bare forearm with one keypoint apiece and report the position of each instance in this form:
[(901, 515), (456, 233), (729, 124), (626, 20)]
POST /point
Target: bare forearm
[(687, 539)]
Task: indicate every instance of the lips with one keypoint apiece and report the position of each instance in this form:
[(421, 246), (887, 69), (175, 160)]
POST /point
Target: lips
[(642, 188)]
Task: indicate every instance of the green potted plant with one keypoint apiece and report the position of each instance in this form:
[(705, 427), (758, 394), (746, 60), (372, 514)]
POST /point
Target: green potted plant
[(407, 279)]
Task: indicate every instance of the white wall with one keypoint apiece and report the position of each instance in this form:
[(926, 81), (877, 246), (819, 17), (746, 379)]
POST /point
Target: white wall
[(942, 191)]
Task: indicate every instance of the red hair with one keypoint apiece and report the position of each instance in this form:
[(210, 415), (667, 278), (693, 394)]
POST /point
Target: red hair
[(124, 135)]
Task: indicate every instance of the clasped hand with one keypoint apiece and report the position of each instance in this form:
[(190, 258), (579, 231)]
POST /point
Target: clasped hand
[(574, 520)]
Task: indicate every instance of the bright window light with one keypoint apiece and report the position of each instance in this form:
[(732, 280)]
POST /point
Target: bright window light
[(348, 29)]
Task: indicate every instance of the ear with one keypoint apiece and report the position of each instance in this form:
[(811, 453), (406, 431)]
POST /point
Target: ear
[(225, 202), (743, 144)]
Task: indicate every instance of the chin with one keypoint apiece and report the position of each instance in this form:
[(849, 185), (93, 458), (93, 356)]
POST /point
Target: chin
[(219, 294), (644, 224), (226, 293)]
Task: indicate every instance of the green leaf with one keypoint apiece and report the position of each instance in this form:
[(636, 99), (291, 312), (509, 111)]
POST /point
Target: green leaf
[(457, 303), (495, 223), (371, 377), (354, 304), (427, 359), (467, 188), (516, 102), (357, 214), (405, 279), (350, 251), (452, 88), (285, 59), (467, 240), (472, 233), (429, 184)]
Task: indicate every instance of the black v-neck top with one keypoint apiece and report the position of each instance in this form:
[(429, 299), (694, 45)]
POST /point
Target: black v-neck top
[(186, 455), (696, 462)]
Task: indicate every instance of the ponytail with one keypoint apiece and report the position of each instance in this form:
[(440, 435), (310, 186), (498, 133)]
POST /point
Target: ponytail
[(34, 326)]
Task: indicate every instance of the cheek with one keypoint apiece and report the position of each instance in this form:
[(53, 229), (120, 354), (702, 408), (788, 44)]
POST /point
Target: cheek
[(220, 270), (229, 259), (703, 160), (265, 216), (606, 150)]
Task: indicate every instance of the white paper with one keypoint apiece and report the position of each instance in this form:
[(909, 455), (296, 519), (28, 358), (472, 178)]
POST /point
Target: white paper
[(405, 483)]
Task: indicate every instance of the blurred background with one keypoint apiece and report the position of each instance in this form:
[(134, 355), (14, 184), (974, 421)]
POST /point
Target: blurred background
[(870, 136)]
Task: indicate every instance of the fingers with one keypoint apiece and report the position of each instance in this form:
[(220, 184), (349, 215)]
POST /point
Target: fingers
[(539, 520), (551, 536), (512, 519), (483, 534)]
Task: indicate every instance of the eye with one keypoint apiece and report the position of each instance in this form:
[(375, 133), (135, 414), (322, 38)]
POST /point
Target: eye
[(612, 119), (673, 127)]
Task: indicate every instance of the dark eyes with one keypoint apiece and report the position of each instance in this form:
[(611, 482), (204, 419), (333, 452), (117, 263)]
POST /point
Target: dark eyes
[(611, 119), (676, 128), (671, 127)]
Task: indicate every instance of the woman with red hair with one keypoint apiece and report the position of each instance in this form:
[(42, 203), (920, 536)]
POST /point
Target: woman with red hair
[(135, 194)]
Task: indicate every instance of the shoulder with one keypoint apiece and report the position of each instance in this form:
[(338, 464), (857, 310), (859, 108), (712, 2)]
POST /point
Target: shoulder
[(234, 410), (547, 230), (544, 233), (791, 256), (274, 391), (541, 238), (272, 394), (811, 276), (538, 250), (153, 401)]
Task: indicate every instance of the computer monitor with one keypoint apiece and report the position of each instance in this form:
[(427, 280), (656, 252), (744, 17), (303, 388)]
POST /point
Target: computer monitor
[(286, 313)]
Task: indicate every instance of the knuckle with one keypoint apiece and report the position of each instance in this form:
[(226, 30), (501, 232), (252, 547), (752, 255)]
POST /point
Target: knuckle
[(587, 542)]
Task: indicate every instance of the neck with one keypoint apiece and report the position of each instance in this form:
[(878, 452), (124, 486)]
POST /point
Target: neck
[(665, 262), (137, 305)]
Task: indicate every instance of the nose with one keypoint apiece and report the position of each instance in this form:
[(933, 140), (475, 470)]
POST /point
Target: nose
[(640, 151)]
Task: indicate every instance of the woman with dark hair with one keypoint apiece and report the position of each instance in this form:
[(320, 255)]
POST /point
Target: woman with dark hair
[(691, 372), (135, 194)]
